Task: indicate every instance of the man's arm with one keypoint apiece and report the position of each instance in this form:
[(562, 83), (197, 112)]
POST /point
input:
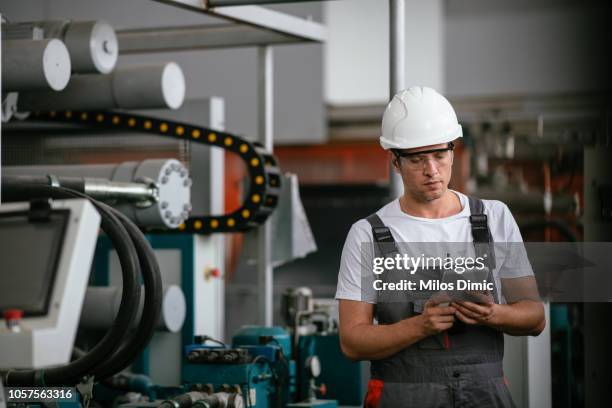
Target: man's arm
[(360, 339)]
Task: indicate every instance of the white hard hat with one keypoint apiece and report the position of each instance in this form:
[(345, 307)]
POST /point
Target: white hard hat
[(417, 117)]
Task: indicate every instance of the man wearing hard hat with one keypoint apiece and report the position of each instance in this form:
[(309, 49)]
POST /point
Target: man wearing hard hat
[(409, 366)]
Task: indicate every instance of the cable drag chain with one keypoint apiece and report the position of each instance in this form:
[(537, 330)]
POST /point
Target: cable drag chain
[(263, 172)]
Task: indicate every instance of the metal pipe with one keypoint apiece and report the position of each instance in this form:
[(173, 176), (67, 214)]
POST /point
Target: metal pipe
[(30, 65), (397, 51), (265, 276), (141, 193), (533, 201), (151, 193), (105, 190), (397, 72), (223, 3), (132, 87)]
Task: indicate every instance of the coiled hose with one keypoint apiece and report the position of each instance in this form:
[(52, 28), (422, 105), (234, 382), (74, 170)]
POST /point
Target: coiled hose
[(112, 353)]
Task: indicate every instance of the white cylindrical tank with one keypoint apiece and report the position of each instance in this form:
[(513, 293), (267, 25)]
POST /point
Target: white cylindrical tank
[(34, 65), (133, 87), (92, 45)]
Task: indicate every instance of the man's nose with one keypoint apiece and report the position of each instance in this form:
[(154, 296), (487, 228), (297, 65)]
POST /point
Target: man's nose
[(429, 167)]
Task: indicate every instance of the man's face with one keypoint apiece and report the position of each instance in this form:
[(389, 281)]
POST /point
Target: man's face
[(425, 176)]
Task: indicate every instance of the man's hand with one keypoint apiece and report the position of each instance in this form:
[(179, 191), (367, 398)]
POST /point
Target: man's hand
[(475, 313), (436, 319), (479, 311)]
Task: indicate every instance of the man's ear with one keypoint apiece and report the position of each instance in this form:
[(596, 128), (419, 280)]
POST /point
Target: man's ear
[(396, 164)]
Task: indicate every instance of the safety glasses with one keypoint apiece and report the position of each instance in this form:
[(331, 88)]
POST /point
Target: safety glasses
[(417, 160)]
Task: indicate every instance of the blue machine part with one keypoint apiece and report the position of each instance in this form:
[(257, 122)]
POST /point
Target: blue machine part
[(190, 347), (255, 380), (316, 403), (269, 352), (266, 380), (345, 380), (252, 336)]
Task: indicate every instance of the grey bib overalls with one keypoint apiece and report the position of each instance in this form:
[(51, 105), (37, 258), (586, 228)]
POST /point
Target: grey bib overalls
[(460, 368)]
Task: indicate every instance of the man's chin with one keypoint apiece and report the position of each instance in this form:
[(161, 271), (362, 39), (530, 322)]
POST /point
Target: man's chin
[(434, 194)]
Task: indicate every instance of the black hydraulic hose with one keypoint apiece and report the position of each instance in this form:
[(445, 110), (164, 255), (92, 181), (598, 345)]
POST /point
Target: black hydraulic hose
[(73, 372), (152, 303)]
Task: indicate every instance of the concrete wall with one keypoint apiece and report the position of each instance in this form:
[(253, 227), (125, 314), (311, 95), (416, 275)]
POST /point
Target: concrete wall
[(468, 47), (230, 73), (543, 46), (356, 57)]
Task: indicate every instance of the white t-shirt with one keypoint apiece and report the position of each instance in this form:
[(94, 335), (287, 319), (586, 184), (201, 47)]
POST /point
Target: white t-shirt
[(408, 228)]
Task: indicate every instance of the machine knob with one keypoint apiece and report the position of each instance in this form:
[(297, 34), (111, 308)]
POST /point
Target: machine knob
[(12, 317)]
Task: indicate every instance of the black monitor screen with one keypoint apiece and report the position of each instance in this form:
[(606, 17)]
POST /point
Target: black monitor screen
[(29, 255)]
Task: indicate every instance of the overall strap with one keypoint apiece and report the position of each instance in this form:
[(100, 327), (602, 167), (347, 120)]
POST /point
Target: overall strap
[(382, 236), (483, 239)]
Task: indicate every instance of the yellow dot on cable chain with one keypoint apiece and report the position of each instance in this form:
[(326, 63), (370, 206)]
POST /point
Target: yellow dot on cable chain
[(100, 117), (180, 131), (246, 213), (195, 133), (148, 124), (163, 127), (182, 227), (132, 122), (197, 225), (256, 198), (52, 114), (84, 116), (228, 141), (214, 224), (212, 137), (244, 148), (68, 114), (259, 180), (254, 162), (231, 222), (116, 120)]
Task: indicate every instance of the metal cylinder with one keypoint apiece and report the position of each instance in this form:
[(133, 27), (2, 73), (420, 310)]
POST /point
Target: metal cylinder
[(102, 304), (93, 46), (34, 65), (133, 87), (295, 301), (169, 177)]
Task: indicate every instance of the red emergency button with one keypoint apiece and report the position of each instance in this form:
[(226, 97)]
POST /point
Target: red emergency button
[(215, 272), (12, 314), (12, 317)]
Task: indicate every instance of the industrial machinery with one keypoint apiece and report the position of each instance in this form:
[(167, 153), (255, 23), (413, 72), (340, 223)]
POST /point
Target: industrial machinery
[(142, 299), (46, 251)]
